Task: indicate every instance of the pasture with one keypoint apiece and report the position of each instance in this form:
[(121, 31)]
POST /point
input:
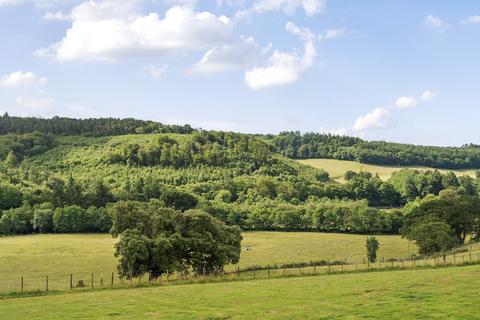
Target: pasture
[(337, 168), (59, 255), (445, 293)]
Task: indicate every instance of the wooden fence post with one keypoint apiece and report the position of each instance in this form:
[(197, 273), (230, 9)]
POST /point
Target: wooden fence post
[(254, 271), (46, 283), (111, 282), (71, 281), (91, 280), (21, 284)]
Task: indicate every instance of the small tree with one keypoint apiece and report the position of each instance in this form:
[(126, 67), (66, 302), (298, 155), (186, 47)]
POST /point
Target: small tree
[(372, 248)]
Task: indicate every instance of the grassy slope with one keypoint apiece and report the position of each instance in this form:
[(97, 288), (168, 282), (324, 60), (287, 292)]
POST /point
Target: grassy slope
[(450, 293), (57, 256), (337, 168)]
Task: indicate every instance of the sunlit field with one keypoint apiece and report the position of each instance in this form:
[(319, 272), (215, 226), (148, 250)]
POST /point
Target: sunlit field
[(337, 168), (450, 293), (58, 256)]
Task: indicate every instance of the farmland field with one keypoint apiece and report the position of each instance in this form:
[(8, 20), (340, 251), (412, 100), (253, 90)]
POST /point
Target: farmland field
[(450, 293), (57, 256), (337, 168)]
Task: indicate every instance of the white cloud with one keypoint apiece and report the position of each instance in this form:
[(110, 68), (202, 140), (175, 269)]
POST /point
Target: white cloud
[(241, 54), (282, 68), (471, 20), (156, 72), (109, 30), (310, 7), (376, 119), (333, 34), (20, 78), (303, 33), (428, 95), (434, 22), (406, 102), (306, 34)]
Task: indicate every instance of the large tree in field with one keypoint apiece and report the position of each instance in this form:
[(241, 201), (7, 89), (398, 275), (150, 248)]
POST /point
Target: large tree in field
[(158, 240)]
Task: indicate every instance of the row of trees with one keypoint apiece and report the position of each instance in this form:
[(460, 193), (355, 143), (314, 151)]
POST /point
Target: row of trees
[(44, 218), (315, 145), (89, 127)]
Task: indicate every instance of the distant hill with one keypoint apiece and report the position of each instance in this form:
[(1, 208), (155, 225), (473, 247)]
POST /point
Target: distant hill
[(89, 127), (326, 146)]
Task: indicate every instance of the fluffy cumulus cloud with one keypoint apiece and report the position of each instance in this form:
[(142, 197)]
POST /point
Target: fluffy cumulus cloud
[(406, 102), (376, 119), (108, 30), (20, 78), (310, 7), (237, 55), (281, 69), (437, 23)]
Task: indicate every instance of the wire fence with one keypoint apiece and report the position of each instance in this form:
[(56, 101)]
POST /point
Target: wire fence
[(86, 280)]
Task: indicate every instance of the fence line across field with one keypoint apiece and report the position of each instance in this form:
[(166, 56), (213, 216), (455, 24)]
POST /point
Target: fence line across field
[(74, 281)]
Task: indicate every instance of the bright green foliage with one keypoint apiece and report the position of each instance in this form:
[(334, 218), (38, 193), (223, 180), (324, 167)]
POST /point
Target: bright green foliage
[(372, 247)]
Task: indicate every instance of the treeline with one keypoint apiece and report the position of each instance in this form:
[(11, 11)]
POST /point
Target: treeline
[(317, 146), (89, 127), (251, 202)]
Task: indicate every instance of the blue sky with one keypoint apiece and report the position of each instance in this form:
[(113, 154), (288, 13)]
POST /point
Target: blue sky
[(397, 70)]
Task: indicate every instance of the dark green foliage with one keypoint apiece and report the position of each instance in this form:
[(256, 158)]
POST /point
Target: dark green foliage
[(90, 127), (70, 219), (14, 148), (10, 196), (433, 236), (164, 240), (318, 146), (372, 246), (178, 200)]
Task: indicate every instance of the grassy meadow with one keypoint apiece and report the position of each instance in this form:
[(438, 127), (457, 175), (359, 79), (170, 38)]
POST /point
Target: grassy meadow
[(445, 293), (57, 256), (337, 168)]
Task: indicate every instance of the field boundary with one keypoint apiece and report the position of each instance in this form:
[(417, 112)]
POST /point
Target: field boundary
[(80, 283)]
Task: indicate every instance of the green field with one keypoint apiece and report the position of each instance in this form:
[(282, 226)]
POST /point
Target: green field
[(448, 293), (337, 168), (57, 256)]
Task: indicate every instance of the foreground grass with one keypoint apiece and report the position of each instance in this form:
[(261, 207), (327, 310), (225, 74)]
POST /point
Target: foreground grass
[(448, 293), (337, 168), (57, 256)]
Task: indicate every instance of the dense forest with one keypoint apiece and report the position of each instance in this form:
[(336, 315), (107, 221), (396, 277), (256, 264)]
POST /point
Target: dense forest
[(72, 182), (326, 146), (90, 127)]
